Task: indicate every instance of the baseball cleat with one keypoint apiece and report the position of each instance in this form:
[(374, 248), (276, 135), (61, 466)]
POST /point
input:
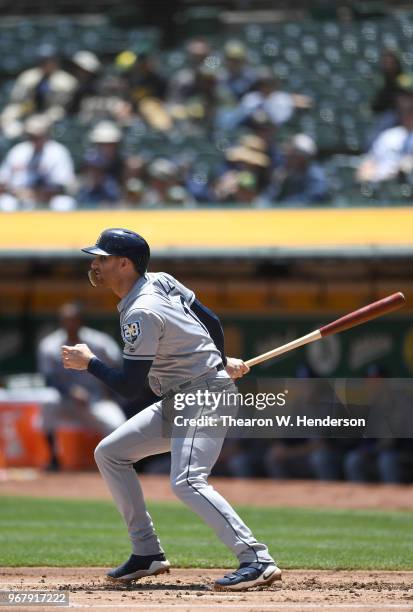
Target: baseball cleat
[(138, 566), (249, 575)]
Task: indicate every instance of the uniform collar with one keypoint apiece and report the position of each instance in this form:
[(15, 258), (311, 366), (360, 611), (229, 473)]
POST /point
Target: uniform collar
[(133, 293)]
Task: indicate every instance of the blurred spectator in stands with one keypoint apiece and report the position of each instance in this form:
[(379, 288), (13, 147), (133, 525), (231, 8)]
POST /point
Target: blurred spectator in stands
[(198, 182), (43, 89), (202, 97), (225, 187), (179, 197), (237, 76), (111, 101), (133, 193), (97, 186), (161, 177), (107, 138), (262, 126), (300, 180), (83, 399), (246, 188), (266, 95), (134, 180), (384, 103), (37, 171), (248, 155), (143, 79), (135, 167), (86, 67), (392, 151), (197, 51), (147, 89), (165, 186)]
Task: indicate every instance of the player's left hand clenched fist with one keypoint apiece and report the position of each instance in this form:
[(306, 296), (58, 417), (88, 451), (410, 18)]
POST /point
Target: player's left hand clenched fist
[(76, 357), (236, 367)]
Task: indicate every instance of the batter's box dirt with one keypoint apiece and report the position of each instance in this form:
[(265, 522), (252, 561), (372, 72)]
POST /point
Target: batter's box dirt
[(190, 589)]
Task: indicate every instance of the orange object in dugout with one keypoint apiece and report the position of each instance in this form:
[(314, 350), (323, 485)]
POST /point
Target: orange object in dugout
[(75, 448), (22, 442)]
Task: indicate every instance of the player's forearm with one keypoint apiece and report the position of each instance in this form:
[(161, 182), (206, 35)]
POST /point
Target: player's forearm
[(128, 382), (213, 325)]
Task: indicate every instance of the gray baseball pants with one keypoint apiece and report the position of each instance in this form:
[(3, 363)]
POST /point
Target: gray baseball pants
[(192, 458)]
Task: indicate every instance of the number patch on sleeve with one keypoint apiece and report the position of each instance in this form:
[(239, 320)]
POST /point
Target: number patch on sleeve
[(131, 331)]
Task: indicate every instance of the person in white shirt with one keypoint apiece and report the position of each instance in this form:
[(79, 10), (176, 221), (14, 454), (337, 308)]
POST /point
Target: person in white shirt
[(392, 151), (45, 88), (37, 171), (83, 401), (279, 105)]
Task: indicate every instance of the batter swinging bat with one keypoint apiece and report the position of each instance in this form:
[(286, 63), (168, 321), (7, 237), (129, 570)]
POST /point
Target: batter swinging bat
[(362, 315)]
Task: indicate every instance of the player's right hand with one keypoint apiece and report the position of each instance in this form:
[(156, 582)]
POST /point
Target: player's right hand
[(76, 357)]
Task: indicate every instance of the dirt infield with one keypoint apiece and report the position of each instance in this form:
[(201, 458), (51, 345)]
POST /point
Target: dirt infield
[(190, 589), (258, 492)]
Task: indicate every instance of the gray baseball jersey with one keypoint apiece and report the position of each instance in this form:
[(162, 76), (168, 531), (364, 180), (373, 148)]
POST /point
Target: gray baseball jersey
[(157, 323)]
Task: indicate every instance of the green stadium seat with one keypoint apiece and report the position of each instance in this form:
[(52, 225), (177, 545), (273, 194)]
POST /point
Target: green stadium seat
[(328, 137), (253, 34), (293, 56)]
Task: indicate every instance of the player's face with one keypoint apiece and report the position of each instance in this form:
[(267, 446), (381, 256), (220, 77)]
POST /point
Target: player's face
[(105, 271)]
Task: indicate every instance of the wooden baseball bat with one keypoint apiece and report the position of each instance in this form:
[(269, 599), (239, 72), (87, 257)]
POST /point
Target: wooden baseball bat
[(362, 315)]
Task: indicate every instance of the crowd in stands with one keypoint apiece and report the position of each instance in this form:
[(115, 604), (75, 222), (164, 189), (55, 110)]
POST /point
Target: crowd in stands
[(89, 132)]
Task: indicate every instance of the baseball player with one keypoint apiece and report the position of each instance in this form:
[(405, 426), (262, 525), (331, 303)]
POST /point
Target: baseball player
[(171, 343)]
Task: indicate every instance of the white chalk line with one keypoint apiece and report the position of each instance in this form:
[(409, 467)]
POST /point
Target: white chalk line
[(252, 605)]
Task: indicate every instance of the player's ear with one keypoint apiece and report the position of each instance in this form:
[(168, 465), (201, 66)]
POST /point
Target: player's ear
[(126, 263)]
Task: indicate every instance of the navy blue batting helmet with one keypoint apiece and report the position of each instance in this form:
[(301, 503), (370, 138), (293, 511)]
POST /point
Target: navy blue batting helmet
[(123, 243)]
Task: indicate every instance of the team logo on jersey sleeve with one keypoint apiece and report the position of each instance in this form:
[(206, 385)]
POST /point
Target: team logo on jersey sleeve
[(131, 331)]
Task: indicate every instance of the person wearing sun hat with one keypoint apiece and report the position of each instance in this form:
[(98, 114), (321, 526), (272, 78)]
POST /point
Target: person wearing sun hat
[(106, 139), (248, 154), (38, 171), (86, 68)]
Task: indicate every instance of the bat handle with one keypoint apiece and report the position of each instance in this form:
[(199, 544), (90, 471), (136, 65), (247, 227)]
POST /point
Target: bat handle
[(285, 348)]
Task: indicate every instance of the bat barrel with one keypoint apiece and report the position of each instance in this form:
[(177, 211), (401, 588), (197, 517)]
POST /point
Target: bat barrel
[(367, 313)]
